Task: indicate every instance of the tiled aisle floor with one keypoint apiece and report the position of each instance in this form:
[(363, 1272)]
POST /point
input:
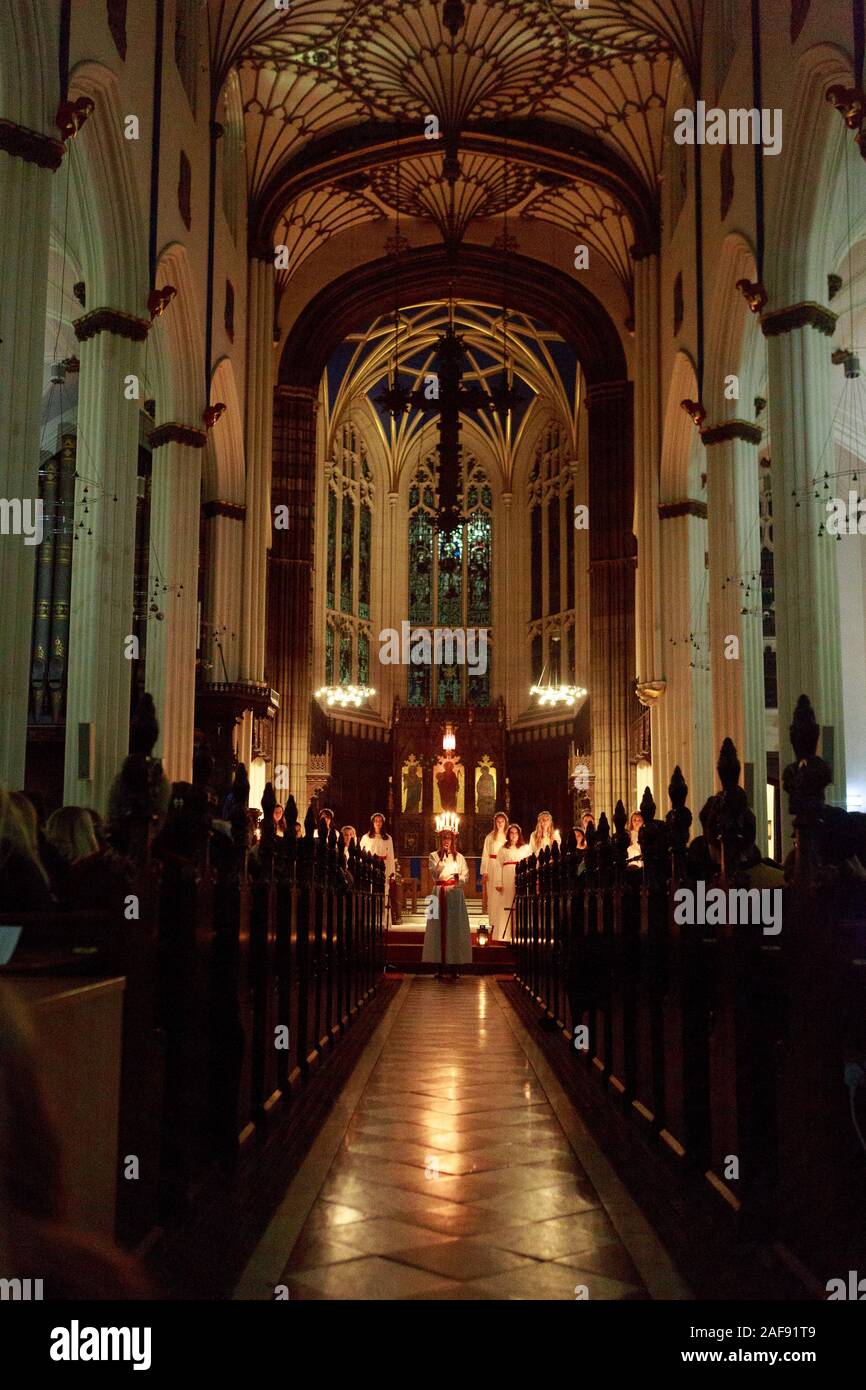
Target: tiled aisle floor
[(455, 1178)]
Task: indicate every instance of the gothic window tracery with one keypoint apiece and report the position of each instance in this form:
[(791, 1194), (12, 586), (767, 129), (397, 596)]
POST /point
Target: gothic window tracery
[(550, 496), (349, 561), (450, 582)]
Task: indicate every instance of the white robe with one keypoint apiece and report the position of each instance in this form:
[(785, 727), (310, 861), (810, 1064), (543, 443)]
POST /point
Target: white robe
[(536, 846), (383, 849), (458, 942), (503, 883), (489, 858)]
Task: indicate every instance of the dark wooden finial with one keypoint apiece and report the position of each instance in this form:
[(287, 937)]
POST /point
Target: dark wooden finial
[(269, 801), (804, 731), (728, 766), (678, 789), (203, 766), (144, 729), (619, 818), (647, 806)]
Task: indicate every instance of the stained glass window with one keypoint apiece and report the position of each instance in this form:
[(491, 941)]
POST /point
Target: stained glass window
[(553, 603), (450, 612), (449, 685), (478, 566), (551, 499), (332, 545), (450, 584), (349, 560), (479, 688), (346, 658), (347, 555), (364, 537), (419, 685), (420, 568)]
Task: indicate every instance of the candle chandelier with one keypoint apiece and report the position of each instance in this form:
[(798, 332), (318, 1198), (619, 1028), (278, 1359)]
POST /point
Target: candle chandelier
[(344, 696)]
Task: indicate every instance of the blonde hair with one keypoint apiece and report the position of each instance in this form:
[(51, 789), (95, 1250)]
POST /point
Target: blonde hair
[(15, 836), (29, 820), (70, 831)]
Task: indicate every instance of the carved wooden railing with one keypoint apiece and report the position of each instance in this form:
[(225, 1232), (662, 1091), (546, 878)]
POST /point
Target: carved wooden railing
[(241, 970), (729, 1043)]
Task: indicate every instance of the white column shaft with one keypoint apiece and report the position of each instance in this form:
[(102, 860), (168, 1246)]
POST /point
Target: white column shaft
[(807, 602), (259, 445), (25, 197), (102, 566), (172, 640)]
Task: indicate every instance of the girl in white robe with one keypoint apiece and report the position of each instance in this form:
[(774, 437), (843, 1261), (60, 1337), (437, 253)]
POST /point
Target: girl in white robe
[(492, 849), (377, 841), (447, 940), (504, 880), (544, 836)]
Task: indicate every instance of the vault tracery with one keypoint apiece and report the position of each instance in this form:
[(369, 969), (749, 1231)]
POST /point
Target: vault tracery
[(323, 67)]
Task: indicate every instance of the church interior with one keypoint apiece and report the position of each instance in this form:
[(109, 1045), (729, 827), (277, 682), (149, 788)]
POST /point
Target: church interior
[(433, 650)]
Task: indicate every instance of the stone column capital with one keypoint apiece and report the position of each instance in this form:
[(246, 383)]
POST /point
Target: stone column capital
[(30, 146), (111, 321), (747, 430), (806, 314), (172, 433), (649, 693)]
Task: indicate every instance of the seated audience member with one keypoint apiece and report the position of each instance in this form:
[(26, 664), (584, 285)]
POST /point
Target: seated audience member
[(87, 875), (36, 1241), (23, 880)]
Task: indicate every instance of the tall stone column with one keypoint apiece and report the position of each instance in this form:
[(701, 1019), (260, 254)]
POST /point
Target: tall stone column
[(103, 562), (735, 602), (27, 162), (650, 685), (259, 445), (685, 718), (290, 578), (173, 639), (611, 588), (808, 652), (224, 548)]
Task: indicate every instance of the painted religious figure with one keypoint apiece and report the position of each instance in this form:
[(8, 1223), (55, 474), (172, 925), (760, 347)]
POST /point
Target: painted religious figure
[(448, 785), (412, 786), (485, 788)]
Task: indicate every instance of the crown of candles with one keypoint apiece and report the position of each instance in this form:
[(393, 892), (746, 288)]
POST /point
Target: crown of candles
[(447, 821)]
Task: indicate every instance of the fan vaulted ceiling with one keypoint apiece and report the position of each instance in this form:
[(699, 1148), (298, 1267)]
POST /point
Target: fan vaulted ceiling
[(554, 112)]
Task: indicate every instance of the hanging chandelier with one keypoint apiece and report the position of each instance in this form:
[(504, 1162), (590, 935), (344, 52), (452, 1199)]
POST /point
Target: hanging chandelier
[(548, 695), (344, 696)]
